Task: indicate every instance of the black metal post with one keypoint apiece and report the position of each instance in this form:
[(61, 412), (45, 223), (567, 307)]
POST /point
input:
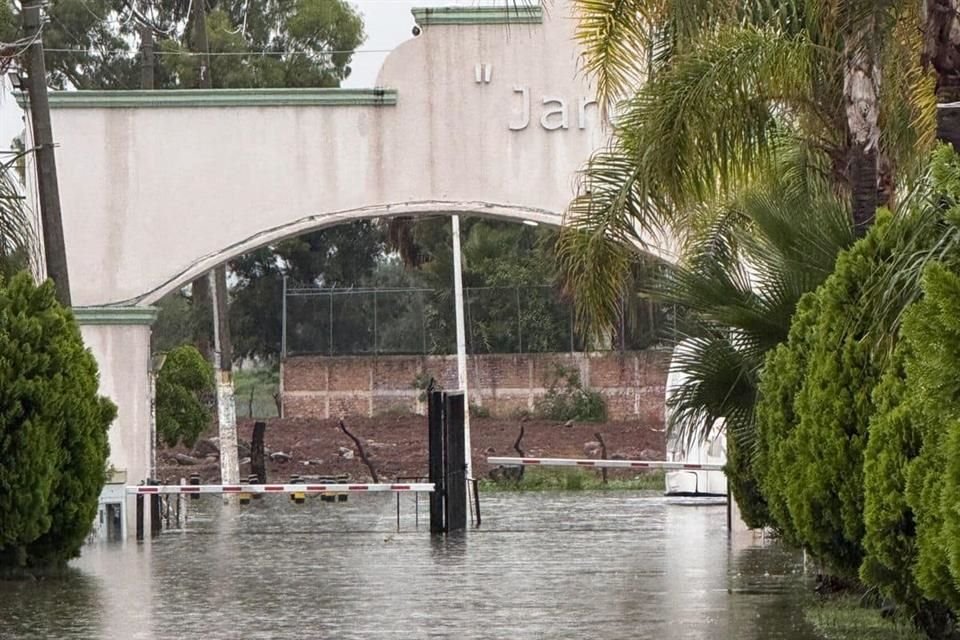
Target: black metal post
[(139, 516), (155, 523), (456, 464), (476, 498), (435, 462)]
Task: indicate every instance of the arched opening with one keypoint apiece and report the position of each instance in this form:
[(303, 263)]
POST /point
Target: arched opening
[(369, 347), (415, 210)]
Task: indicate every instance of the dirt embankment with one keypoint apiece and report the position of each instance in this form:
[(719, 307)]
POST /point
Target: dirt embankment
[(397, 446)]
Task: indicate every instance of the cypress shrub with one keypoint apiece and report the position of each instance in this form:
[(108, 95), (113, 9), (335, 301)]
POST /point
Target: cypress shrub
[(933, 486), (816, 406), (53, 429)]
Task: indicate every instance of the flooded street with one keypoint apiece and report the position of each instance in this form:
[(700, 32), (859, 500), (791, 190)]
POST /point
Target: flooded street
[(543, 565)]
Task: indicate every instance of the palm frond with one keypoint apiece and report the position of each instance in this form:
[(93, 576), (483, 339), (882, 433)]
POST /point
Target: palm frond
[(612, 217), (740, 282), (710, 120), (18, 240), (716, 383), (614, 35)]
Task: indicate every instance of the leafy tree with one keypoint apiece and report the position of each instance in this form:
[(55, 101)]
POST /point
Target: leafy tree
[(175, 323), (779, 383), (273, 43), (53, 429), (341, 256), (714, 99), (889, 539), (513, 300), (184, 389)]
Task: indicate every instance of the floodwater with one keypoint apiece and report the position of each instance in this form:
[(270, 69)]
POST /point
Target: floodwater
[(543, 565)]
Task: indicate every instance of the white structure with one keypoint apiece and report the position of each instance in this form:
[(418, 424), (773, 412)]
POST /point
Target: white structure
[(484, 113), (709, 451)]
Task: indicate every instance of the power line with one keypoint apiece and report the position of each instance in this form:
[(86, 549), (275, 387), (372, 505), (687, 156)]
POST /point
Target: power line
[(228, 53)]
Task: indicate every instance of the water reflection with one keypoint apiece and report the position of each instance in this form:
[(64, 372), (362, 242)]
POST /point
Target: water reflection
[(543, 565)]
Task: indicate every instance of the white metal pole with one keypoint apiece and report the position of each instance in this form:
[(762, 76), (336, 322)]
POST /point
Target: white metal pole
[(226, 407), (461, 342)]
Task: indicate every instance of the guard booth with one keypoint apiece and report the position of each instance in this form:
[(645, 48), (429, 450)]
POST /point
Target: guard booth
[(111, 522)]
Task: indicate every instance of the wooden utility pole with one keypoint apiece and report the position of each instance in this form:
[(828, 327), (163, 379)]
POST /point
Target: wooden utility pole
[(217, 292), (146, 57), (200, 288), (54, 246)]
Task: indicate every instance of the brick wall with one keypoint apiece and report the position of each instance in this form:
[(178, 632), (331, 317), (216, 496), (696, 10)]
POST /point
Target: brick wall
[(633, 383)]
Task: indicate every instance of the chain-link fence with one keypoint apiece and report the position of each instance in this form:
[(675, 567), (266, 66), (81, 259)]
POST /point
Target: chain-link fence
[(520, 319)]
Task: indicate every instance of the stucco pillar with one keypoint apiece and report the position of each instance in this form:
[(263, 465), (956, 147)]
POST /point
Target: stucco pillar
[(119, 338)]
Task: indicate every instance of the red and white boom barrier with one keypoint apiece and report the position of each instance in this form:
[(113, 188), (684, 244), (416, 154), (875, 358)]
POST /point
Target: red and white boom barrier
[(422, 487), (603, 464)]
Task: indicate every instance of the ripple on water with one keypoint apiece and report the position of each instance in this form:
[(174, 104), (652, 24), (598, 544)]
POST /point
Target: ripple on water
[(544, 565)]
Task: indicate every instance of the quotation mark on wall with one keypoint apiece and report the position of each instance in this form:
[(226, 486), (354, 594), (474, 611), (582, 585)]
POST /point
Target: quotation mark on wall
[(483, 73)]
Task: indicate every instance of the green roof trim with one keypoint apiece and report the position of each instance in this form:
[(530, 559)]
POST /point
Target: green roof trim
[(512, 12), (115, 315), (172, 98)]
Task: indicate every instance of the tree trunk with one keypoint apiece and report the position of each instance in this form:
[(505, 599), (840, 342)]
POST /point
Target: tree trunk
[(941, 50), (258, 466), (861, 90), (202, 312), (863, 185), (200, 288)]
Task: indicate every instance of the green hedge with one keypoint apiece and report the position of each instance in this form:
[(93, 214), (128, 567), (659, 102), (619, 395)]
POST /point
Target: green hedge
[(815, 407), (53, 430)]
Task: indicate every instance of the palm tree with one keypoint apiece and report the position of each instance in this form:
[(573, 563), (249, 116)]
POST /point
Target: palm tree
[(727, 82), (18, 241), (739, 284), (760, 140)]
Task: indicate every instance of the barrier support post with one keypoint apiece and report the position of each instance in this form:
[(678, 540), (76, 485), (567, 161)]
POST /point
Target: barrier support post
[(456, 468), (139, 501), (435, 463), (155, 522)]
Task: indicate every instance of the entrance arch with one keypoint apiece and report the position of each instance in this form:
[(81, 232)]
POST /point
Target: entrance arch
[(483, 113), (331, 219)]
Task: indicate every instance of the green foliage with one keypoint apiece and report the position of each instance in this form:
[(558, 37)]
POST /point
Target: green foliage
[(889, 540), (184, 389), (95, 44), (776, 417), (847, 618), (341, 256), (789, 228), (175, 323), (508, 270), (53, 429), (566, 399), (816, 406), (573, 480), (932, 329)]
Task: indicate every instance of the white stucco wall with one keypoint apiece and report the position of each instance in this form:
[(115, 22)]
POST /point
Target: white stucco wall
[(123, 355), (154, 196)]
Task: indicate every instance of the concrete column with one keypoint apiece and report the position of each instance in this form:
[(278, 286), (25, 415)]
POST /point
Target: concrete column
[(119, 338)]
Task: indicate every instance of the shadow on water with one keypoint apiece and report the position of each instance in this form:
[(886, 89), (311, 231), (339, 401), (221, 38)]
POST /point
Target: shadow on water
[(544, 565)]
